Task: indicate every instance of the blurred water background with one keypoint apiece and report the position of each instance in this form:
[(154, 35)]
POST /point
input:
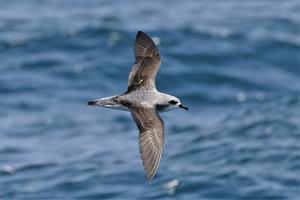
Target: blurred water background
[(235, 64)]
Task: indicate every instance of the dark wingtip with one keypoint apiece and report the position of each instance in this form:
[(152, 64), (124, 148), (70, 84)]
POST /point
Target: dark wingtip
[(149, 177), (92, 103), (140, 33), (144, 46), (143, 36)]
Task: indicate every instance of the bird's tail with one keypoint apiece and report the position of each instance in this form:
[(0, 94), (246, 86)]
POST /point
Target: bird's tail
[(108, 102), (103, 101)]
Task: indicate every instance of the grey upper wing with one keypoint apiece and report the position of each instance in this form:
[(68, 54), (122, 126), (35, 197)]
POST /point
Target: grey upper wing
[(147, 63), (151, 138)]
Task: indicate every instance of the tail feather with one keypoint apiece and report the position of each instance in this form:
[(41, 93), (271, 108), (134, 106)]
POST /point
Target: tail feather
[(108, 102), (103, 101), (92, 102)]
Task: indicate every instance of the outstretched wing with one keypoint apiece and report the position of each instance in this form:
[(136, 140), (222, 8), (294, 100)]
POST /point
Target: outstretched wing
[(151, 138), (146, 65)]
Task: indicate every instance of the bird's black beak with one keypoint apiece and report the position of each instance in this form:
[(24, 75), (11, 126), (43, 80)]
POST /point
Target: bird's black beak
[(183, 107)]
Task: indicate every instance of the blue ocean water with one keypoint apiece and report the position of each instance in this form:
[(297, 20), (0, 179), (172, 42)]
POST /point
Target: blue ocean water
[(235, 64)]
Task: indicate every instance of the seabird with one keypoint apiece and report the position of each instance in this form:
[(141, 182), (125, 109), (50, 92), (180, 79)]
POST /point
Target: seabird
[(144, 102)]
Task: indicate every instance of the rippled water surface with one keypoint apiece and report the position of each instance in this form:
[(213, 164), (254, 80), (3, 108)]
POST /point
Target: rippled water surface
[(236, 64)]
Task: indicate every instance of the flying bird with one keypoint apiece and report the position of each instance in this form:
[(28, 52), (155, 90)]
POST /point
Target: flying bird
[(144, 102)]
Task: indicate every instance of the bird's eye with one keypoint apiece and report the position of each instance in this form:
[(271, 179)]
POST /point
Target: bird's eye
[(173, 102)]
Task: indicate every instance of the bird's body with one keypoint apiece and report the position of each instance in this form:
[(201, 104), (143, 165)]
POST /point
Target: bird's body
[(144, 102), (143, 98)]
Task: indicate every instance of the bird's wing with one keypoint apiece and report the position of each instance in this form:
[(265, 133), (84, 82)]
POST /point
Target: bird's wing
[(151, 137), (146, 65)]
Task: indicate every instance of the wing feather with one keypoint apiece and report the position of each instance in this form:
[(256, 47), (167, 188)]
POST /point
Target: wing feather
[(143, 72), (151, 138)]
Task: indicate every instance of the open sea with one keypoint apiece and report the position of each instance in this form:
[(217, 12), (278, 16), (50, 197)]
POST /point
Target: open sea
[(235, 64)]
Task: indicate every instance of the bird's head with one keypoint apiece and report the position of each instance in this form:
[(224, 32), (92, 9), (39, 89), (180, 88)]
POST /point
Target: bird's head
[(169, 102), (175, 103)]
